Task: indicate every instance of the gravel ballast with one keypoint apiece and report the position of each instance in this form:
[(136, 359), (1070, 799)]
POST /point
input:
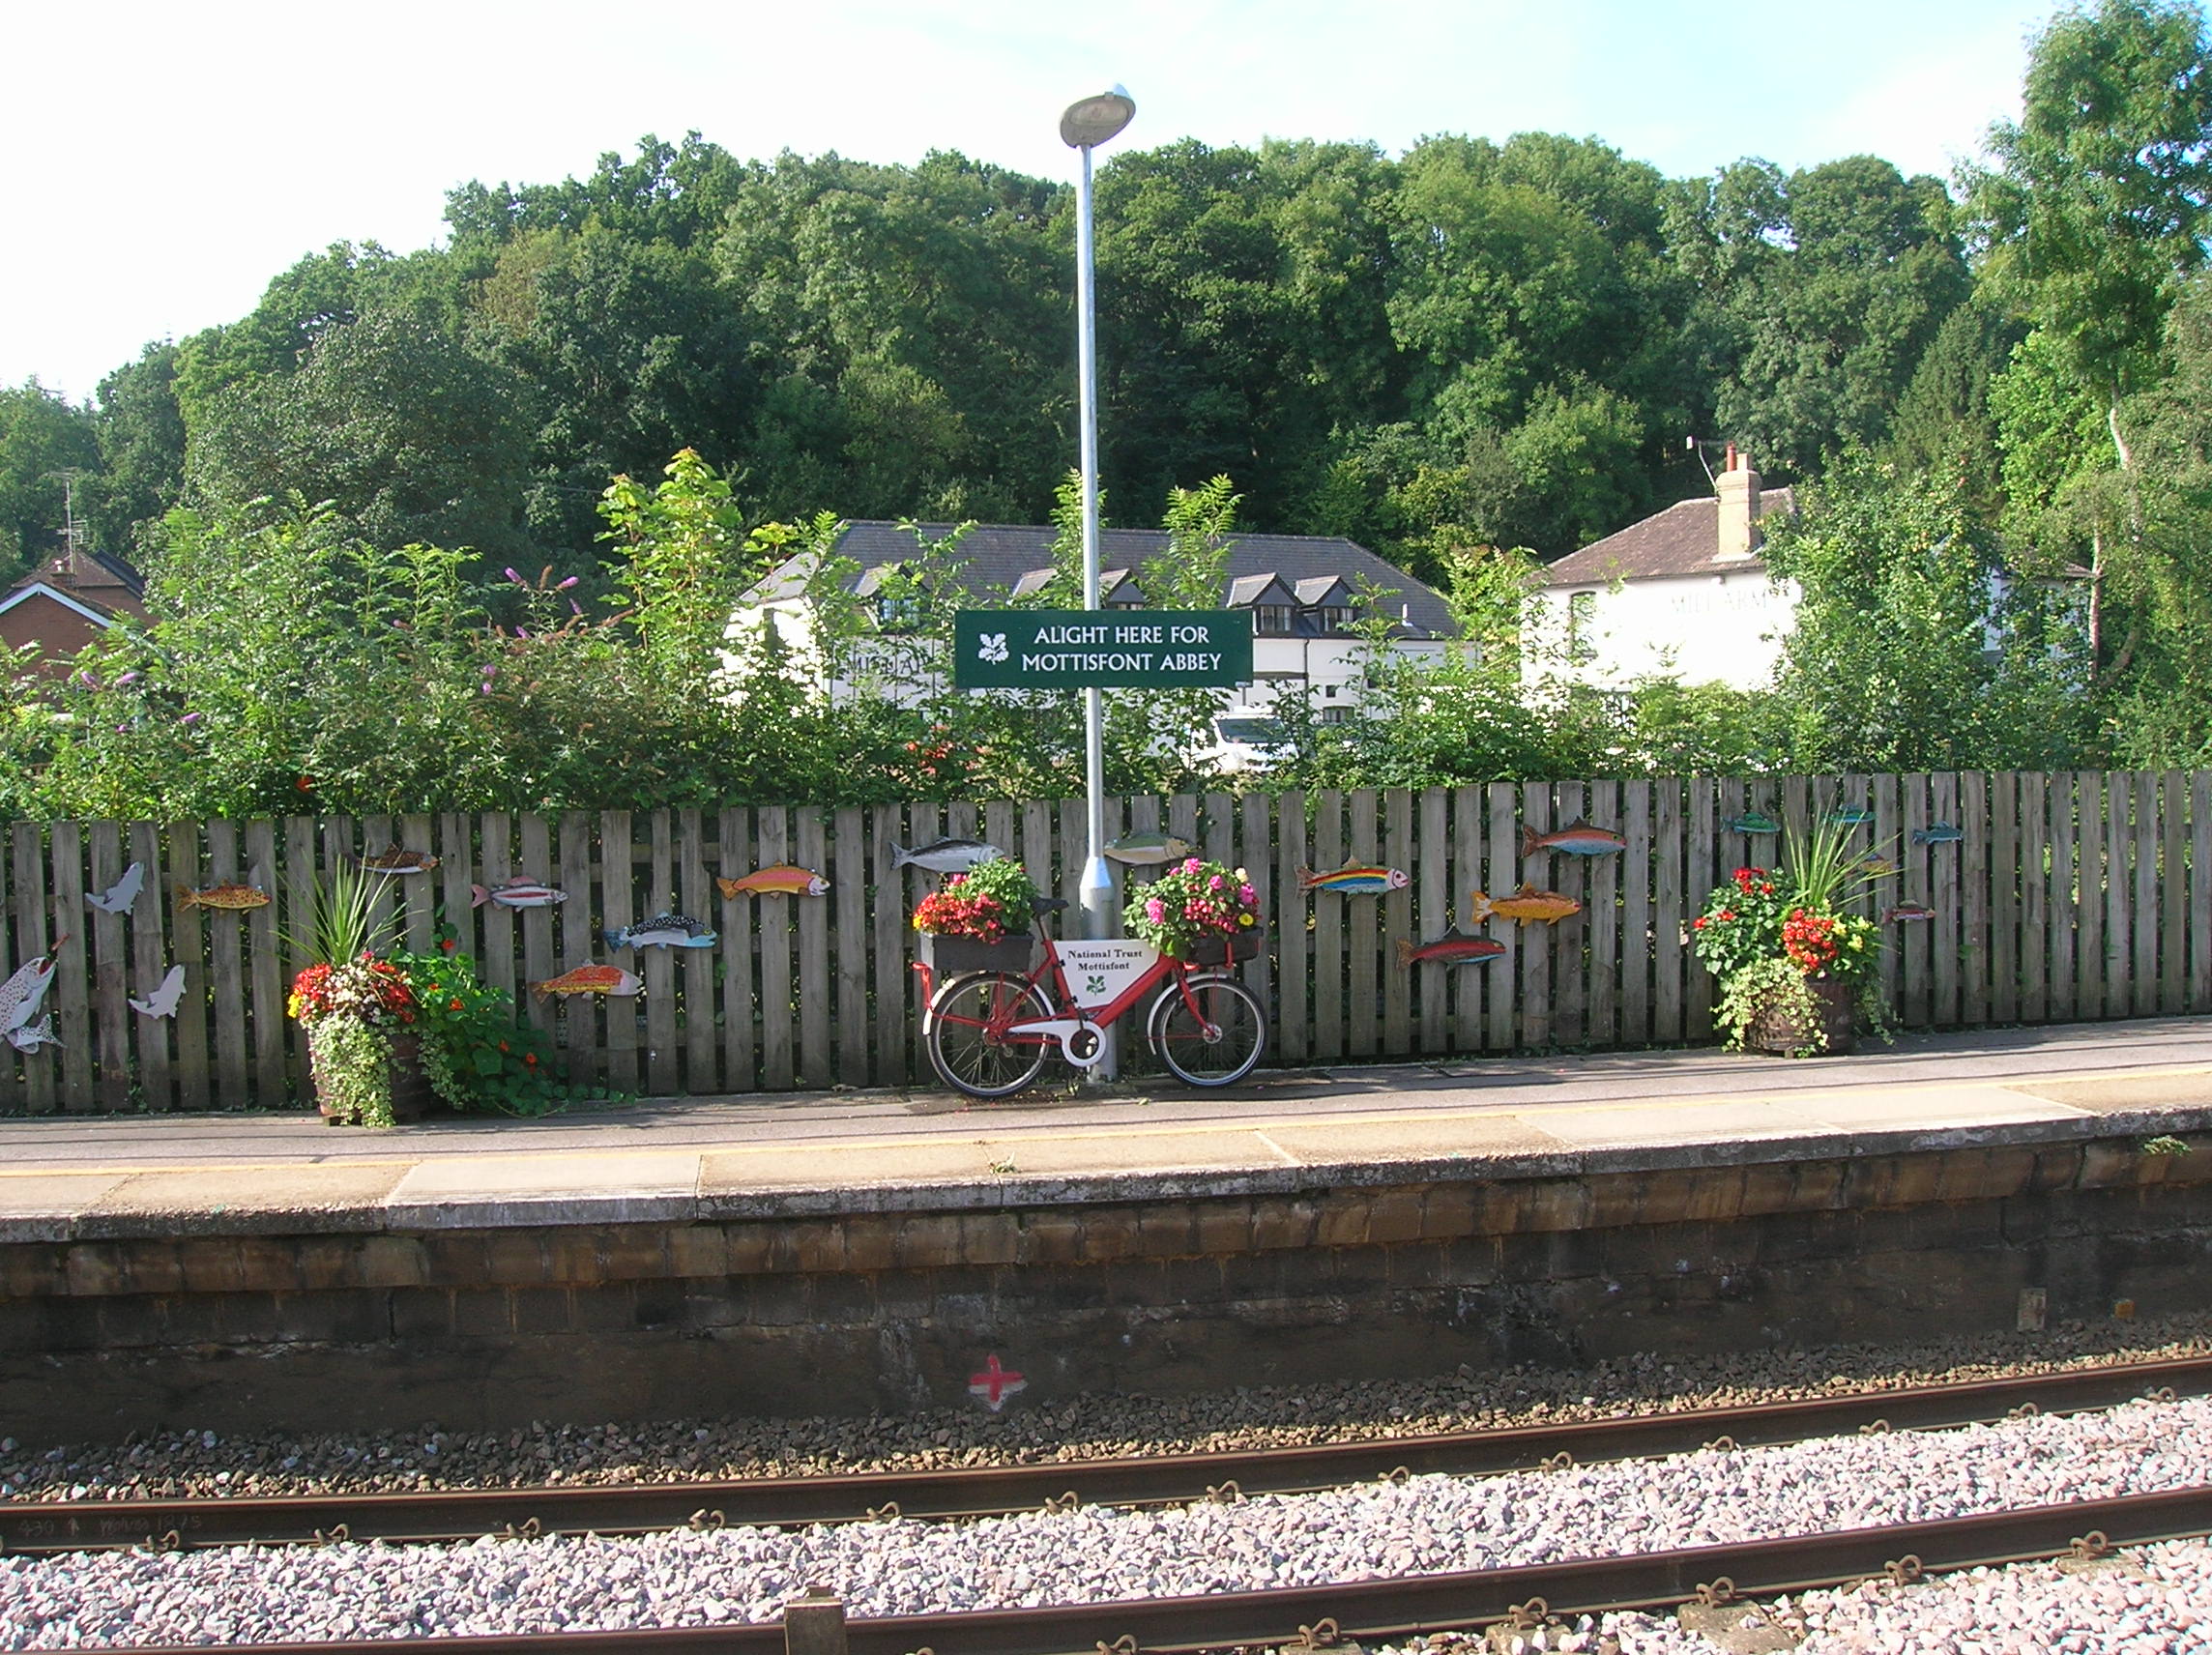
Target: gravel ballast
[(198, 1464), (1426, 1524)]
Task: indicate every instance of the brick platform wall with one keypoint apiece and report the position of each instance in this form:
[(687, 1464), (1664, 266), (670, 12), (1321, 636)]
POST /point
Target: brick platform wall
[(893, 1311)]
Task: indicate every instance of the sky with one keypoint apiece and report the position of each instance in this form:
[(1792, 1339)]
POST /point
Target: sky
[(171, 158)]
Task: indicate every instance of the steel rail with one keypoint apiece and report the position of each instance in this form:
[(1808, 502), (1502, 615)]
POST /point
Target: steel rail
[(1307, 1618), (39, 1526)]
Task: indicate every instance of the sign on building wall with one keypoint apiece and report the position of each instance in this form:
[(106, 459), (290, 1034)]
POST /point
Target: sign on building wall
[(1101, 649)]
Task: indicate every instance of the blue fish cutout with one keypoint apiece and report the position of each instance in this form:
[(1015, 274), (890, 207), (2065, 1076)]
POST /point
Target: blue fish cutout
[(1939, 833)]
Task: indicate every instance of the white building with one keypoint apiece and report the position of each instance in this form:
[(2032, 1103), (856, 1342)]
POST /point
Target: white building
[(1305, 593), (1684, 593)]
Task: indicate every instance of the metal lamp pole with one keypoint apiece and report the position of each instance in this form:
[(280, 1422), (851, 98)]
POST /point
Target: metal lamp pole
[(1088, 124)]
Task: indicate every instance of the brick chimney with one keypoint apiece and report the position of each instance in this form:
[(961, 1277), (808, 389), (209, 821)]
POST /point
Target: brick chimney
[(1739, 486)]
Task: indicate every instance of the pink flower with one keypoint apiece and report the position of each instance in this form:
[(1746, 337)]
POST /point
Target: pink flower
[(1215, 883), (1247, 896), (1192, 865), (1155, 910)]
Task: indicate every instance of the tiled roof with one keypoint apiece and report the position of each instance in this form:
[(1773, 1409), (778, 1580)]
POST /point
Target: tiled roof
[(995, 558), (1682, 539)]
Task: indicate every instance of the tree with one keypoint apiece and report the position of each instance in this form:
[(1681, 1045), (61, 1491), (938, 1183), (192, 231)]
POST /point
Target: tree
[(43, 437), (2098, 207), (141, 430)]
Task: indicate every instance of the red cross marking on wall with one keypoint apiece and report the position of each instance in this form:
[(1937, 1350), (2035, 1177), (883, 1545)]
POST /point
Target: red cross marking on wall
[(994, 1384)]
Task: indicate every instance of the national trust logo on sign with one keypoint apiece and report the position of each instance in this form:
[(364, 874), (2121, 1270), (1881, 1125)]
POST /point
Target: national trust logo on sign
[(1101, 649)]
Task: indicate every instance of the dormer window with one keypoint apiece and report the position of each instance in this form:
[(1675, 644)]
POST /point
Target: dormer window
[(898, 612), (1336, 616), (1272, 619)]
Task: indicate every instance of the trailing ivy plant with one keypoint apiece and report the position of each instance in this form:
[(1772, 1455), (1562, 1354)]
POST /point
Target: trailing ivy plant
[(477, 1053)]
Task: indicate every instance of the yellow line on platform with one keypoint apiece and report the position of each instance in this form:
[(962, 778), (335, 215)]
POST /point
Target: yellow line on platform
[(1273, 1123)]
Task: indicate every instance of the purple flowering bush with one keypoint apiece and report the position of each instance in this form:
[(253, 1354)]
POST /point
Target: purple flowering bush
[(1190, 900)]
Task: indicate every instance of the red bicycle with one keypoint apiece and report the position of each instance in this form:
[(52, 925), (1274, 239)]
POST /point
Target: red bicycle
[(989, 1032)]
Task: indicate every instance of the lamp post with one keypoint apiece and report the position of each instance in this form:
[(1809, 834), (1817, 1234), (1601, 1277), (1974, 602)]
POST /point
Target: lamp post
[(1088, 123)]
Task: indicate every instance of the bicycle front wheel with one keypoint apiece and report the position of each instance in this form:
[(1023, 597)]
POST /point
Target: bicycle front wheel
[(1220, 1042), (970, 1046)]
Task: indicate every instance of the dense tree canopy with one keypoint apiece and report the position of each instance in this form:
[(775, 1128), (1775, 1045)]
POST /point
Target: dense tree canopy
[(1462, 356)]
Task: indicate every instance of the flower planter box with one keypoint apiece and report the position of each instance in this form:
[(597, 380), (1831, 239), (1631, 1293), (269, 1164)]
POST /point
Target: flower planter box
[(948, 957), (1780, 1029), (1225, 951)]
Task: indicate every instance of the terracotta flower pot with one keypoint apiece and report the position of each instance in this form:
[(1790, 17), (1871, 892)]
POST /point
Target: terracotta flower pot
[(1782, 1029)]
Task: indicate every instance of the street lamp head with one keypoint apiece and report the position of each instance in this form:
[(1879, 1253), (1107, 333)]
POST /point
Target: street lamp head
[(1091, 121)]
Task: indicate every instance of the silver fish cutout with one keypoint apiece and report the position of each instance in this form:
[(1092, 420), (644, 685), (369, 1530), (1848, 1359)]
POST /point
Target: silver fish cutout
[(662, 931), (21, 994), (30, 1036), (946, 856), (162, 1002), (120, 895)]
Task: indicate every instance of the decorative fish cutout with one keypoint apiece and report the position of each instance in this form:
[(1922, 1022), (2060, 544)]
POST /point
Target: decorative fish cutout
[(1849, 816), (224, 896), (946, 856), (1939, 833), (400, 861), (162, 1002), (1147, 850), (783, 879), (1580, 838), (119, 896), (590, 980), (1525, 905), (30, 1036), (662, 931), (1907, 912), (1750, 822), (1875, 865), (1452, 948), (517, 892), (1355, 879), (21, 994)]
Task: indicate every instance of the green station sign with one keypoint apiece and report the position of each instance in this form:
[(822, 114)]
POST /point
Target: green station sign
[(1101, 649)]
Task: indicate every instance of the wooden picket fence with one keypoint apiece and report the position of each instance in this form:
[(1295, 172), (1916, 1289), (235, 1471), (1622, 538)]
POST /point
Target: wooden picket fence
[(2075, 896)]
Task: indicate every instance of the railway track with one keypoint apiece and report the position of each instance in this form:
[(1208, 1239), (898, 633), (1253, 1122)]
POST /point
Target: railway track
[(35, 1526), (1314, 1619)]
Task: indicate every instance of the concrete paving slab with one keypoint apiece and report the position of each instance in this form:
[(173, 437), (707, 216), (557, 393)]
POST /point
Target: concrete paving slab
[(44, 1206), (1705, 1123), (242, 1202), (575, 1187), (782, 1167), (1438, 1137), (2172, 1088), (1932, 1105), (1108, 1153)]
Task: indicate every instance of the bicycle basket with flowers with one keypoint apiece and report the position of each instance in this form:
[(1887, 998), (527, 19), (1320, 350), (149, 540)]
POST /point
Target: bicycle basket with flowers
[(980, 919), (1197, 911)]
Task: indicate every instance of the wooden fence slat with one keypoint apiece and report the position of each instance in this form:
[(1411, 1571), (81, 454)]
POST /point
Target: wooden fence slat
[(2114, 961), (2034, 819), (893, 946), (1888, 840), (1256, 852), (1564, 940), (2008, 890), (663, 1067), (1640, 941), (496, 931), (1974, 863), (695, 895), (454, 919), (188, 929), (2076, 927), (150, 964), (580, 1013), (1395, 919), (2201, 891), (617, 908), (1329, 1001), (772, 913), (1534, 947), (1502, 866), (1434, 906), (110, 974), (2142, 841), (67, 998), (417, 892), (2171, 885), (226, 971), (733, 841), (535, 858), (1294, 941), (1600, 920), (849, 891), (817, 1062), (1704, 871), (1915, 883), (265, 968)]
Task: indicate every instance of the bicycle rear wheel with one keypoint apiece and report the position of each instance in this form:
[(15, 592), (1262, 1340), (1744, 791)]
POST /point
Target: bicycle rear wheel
[(1220, 1044), (969, 1046)]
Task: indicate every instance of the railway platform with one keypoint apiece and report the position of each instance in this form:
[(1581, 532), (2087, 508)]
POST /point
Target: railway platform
[(836, 1252)]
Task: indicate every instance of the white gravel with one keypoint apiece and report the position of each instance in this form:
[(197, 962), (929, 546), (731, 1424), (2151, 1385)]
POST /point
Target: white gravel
[(1429, 1523)]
